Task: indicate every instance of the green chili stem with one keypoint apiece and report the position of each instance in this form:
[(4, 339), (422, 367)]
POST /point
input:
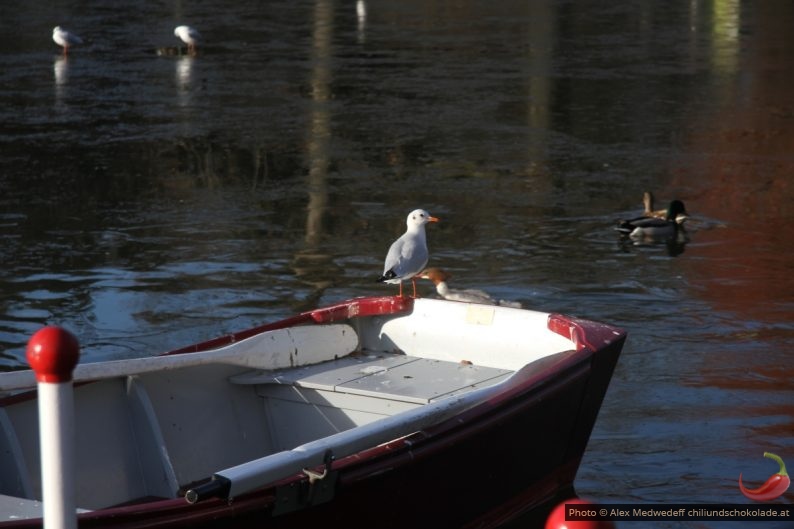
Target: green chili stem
[(770, 455)]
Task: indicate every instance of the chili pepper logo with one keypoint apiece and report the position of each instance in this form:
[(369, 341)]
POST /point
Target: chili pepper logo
[(774, 487)]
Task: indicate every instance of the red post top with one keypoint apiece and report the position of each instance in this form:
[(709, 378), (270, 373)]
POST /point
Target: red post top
[(53, 353)]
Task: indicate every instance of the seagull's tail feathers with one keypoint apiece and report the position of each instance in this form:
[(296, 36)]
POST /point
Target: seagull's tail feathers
[(386, 276)]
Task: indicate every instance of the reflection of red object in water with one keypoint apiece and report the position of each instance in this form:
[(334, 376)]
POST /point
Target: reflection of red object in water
[(734, 167), (556, 519), (774, 487)]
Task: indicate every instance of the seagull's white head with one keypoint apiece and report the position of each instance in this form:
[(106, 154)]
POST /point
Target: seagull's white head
[(419, 217), (187, 34)]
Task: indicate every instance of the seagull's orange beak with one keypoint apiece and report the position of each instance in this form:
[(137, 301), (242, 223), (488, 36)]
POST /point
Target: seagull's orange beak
[(433, 219)]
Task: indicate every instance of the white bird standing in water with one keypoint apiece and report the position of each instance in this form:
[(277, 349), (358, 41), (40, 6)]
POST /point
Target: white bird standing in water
[(408, 255), (65, 38), (189, 36), (439, 278)]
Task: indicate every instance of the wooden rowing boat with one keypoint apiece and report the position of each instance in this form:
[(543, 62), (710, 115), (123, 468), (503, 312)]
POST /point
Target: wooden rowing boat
[(381, 412)]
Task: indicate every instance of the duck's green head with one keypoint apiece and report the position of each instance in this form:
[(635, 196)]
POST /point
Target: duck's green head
[(675, 209)]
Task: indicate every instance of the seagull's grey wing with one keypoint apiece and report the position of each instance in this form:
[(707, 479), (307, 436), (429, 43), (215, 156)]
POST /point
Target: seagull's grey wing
[(395, 256), (194, 34), (414, 257)]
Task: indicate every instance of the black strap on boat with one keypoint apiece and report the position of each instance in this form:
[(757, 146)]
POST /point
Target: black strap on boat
[(217, 487)]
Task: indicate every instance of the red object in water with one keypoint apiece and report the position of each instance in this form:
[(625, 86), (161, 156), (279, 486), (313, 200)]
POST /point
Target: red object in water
[(774, 486), (53, 353), (556, 519)]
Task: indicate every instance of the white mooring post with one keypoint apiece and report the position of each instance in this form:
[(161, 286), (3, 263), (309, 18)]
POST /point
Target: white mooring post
[(53, 354)]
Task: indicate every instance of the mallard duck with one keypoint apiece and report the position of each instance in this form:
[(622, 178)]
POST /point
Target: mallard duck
[(439, 278), (647, 200), (653, 227), (408, 255)]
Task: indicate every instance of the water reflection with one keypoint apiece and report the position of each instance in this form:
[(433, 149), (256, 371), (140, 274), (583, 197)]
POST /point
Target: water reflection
[(361, 19), (542, 36), (184, 79), (725, 23), (60, 69), (312, 264), (732, 160), (674, 246)]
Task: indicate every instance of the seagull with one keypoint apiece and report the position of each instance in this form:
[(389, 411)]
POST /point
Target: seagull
[(652, 227), (189, 36), (65, 38), (408, 255), (439, 278)]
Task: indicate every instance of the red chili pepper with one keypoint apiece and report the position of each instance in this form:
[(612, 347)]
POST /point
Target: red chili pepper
[(774, 487)]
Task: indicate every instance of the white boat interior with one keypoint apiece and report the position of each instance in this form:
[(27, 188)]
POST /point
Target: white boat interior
[(155, 433)]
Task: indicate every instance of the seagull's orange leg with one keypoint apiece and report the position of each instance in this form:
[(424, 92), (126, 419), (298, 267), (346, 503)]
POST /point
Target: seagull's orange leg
[(413, 281), (401, 289)]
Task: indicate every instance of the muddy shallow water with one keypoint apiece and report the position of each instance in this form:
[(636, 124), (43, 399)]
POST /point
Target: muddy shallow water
[(150, 201)]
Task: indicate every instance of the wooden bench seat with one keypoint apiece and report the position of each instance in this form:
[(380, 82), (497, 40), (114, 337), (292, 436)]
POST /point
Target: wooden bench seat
[(383, 375)]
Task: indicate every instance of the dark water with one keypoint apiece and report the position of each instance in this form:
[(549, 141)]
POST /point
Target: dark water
[(149, 201)]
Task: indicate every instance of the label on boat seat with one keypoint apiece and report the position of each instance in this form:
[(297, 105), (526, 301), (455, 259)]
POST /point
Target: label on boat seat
[(479, 315)]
